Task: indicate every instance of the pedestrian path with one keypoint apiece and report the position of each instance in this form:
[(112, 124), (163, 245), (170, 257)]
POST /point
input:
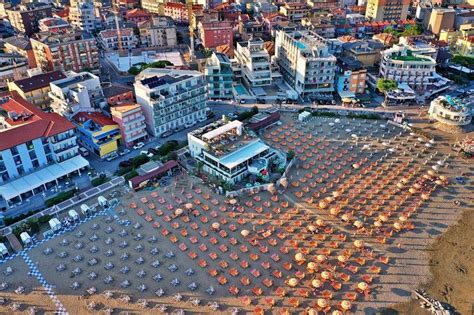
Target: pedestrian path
[(34, 271)]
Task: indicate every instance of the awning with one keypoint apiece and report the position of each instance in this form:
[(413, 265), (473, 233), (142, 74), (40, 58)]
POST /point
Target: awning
[(43, 176)]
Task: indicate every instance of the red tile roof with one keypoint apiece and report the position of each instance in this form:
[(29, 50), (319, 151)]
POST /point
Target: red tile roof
[(157, 173), (33, 124), (137, 13), (96, 117)]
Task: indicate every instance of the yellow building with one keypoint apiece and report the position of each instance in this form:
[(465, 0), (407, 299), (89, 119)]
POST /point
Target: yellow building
[(98, 133), (387, 10), (36, 88), (463, 39)]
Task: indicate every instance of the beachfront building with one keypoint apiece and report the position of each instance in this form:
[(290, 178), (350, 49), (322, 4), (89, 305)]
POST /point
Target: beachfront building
[(402, 65), (68, 50), (228, 152), (131, 121), (97, 133), (36, 89), (37, 149), (218, 73), (78, 92), (170, 98), (450, 111), (351, 77), (254, 63), (305, 63)]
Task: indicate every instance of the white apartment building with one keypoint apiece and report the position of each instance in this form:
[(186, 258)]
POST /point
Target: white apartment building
[(305, 63), (404, 66), (83, 15), (110, 41), (254, 63), (171, 99), (78, 92), (159, 31), (36, 150), (228, 152)]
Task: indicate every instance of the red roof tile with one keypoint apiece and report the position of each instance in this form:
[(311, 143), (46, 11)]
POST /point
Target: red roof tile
[(33, 124), (96, 117)]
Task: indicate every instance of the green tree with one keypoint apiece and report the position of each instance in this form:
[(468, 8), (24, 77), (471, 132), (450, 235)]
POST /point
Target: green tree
[(386, 85), (413, 30), (290, 155)]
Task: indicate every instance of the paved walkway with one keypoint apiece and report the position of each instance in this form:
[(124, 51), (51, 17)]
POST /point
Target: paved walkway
[(70, 202)]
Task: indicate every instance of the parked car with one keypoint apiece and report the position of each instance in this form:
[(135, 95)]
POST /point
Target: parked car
[(150, 155), (83, 151), (178, 129), (125, 163), (202, 119), (139, 145), (189, 124), (153, 151), (232, 115), (123, 152), (166, 134), (111, 157)]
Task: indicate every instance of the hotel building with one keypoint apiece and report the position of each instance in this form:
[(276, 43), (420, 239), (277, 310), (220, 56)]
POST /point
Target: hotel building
[(305, 62), (387, 10), (36, 149), (218, 73), (254, 63), (131, 121), (171, 98)]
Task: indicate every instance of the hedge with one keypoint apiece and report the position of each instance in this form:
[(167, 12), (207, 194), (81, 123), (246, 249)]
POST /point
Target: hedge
[(247, 114), (124, 170), (99, 180), (130, 175), (10, 220), (63, 196), (140, 160), (44, 219)]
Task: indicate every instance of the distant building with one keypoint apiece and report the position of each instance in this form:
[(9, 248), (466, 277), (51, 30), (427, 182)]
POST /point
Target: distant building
[(83, 15), (78, 92), (366, 51), (215, 34), (36, 88), (109, 39), (136, 16), (254, 63), (179, 11), (387, 10), (294, 11), (218, 73), (129, 4), (52, 24), (25, 18), (20, 46), (117, 93), (97, 133), (441, 19), (12, 67), (450, 111), (158, 31), (36, 150), (131, 121), (71, 50), (170, 98), (305, 63), (243, 154)]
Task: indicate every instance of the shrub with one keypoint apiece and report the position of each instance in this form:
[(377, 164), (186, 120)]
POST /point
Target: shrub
[(63, 196), (124, 170), (130, 175), (44, 219), (10, 221), (139, 160), (99, 180), (247, 114), (168, 147)]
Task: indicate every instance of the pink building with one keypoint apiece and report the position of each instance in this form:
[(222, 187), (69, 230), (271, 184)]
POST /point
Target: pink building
[(215, 34), (131, 121)]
